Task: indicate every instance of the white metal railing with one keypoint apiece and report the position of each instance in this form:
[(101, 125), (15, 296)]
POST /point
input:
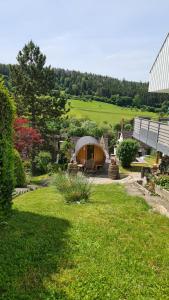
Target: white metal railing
[(154, 134)]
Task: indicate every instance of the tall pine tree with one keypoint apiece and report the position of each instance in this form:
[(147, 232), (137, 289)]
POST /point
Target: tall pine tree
[(34, 89)]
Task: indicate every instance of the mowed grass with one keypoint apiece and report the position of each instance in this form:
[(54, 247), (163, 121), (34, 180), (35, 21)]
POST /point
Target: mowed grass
[(101, 112), (111, 248), (150, 160)]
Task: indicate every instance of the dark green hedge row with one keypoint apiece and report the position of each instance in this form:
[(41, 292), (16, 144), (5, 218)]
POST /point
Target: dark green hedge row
[(7, 110)]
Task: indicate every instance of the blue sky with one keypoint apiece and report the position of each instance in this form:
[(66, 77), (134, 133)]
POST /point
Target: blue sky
[(116, 38)]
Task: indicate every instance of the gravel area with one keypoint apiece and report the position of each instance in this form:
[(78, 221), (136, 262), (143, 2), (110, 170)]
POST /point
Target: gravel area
[(106, 180)]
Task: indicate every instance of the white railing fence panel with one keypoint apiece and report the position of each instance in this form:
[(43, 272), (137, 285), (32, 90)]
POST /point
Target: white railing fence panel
[(154, 134)]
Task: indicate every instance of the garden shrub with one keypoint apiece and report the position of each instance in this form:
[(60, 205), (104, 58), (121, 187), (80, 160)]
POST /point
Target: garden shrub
[(128, 127), (74, 188), (19, 173), (163, 181), (7, 110), (127, 151), (27, 165), (43, 162)]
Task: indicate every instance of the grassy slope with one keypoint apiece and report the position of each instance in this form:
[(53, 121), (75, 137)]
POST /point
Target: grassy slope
[(100, 112), (111, 248)]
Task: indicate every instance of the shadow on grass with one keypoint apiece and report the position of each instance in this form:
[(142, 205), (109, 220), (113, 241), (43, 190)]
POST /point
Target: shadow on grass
[(33, 250)]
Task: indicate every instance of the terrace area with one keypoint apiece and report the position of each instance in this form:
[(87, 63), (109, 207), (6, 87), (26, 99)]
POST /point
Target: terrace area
[(152, 133)]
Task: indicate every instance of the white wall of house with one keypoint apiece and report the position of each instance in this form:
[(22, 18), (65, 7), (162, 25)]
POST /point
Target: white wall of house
[(159, 73)]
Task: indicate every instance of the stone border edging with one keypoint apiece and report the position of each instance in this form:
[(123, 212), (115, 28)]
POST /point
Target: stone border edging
[(142, 189), (20, 191), (164, 194), (157, 203)]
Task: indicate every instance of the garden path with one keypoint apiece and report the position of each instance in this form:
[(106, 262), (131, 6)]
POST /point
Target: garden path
[(103, 179)]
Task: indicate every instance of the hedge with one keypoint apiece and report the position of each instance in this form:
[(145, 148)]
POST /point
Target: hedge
[(19, 173), (7, 110)]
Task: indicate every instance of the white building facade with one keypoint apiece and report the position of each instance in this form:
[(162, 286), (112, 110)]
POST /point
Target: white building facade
[(159, 73), (156, 134)]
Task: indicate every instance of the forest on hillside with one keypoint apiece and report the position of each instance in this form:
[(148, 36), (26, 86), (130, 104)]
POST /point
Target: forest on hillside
[(88, 86)]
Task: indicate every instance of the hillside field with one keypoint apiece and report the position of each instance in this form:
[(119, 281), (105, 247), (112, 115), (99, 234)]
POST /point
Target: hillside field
[(100, 112)]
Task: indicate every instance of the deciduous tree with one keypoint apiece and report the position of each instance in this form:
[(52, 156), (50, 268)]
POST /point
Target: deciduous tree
[(25, 137)]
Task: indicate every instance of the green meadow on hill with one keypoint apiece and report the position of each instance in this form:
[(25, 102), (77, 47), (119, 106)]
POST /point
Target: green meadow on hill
[(101, 112)]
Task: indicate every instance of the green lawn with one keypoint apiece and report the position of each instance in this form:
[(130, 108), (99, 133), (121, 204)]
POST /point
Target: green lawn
[(100, 112), (136, 167), (151, 160), (111, 248), (39, 180)]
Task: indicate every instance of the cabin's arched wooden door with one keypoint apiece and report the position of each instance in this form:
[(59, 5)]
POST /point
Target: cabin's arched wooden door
[(90, 152)]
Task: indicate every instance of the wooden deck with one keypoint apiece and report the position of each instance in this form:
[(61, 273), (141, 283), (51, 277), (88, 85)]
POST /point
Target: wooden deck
[(154, 134)]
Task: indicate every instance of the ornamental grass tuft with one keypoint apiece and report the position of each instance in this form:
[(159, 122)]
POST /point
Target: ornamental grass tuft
[(74, 188)]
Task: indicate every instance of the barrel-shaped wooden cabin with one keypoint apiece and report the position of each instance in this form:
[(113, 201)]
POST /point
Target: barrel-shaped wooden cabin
[(89, 153)]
